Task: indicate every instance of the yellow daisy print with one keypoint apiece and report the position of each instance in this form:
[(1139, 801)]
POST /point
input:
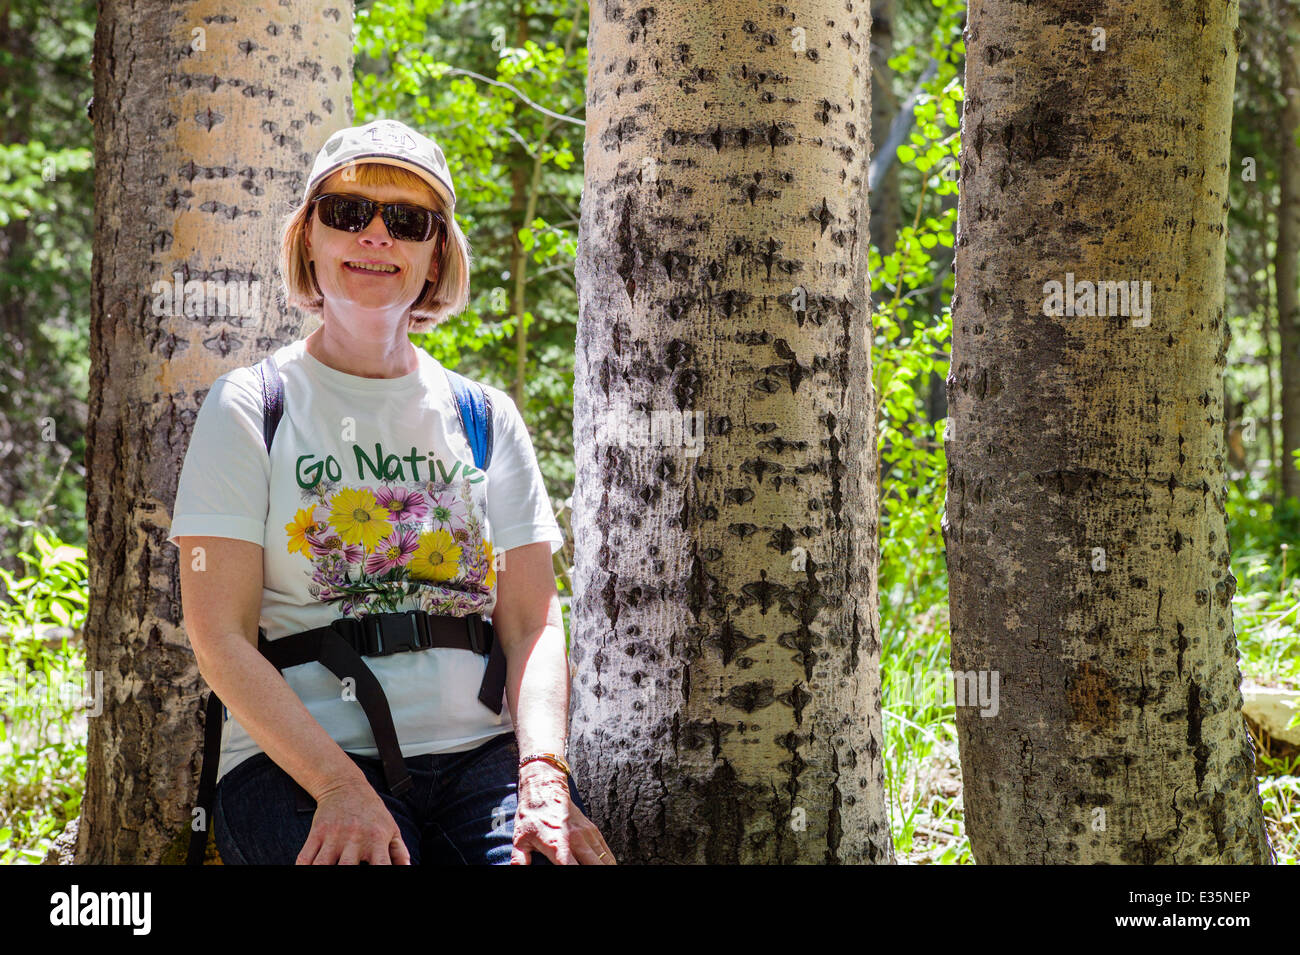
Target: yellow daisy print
[(437, 557), (358, 518), (297, 529), (491, 577)]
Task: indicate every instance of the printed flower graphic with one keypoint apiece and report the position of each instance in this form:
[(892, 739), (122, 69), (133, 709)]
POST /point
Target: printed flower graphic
[(386, 547), (404, 505), (329, 544), (392, 552), (358, 517), (300, 529), (490, 580), (437, 557), (447, 508)]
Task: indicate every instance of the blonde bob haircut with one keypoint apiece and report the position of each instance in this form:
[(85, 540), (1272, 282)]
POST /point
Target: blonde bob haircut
[(436, 302)]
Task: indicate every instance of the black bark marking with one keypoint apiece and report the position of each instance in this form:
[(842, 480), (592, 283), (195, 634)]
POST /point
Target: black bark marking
[(731, 641), (994, 54), (753, 695), (834, 830), (721, 801), (855, 639), (797, 699), (758, 467), (763, 591), (626, 250), (1200, 752), (833, 446), (794, 371), (823, 216), (686, 388), (700, 585)]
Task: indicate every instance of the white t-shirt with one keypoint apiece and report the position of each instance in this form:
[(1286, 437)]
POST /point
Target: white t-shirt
[(370, 490)]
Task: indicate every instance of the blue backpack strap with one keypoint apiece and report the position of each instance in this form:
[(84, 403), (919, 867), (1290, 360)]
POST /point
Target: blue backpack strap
[(272, 398), (475, 409)]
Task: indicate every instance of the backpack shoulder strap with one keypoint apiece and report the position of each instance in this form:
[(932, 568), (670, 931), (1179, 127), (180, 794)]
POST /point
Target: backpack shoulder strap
[(272, 410), (472, 404), (272, 398), (475, 410)]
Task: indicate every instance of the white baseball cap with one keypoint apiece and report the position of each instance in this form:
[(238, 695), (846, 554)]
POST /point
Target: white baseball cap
[(384, 141)]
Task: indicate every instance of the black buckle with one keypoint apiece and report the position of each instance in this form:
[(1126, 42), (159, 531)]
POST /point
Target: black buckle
[(387, 633)]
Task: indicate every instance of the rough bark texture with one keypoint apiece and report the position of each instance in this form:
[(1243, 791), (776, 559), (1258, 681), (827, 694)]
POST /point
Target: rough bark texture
[(1286, 267), (198, 155), (727, 703), (1119, 736)]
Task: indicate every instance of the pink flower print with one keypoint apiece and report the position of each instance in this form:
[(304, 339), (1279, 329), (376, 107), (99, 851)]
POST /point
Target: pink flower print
[(324, 543), (394, 551), (328, 544), (404, 505), (448, 509)]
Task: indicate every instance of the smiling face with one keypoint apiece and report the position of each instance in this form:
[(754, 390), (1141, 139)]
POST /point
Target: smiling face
[(340, 257)]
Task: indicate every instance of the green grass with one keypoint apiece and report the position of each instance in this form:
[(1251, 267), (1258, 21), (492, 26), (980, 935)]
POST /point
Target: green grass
[(1279, 789), (42, 738), (42, 717)]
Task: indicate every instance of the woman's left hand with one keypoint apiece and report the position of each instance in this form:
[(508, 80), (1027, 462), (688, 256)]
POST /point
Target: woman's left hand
[(548, 822)]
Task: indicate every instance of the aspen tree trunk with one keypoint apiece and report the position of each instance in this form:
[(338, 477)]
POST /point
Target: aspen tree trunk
[(203, 141), (1085, 523), (1286, 266), (725, 631)]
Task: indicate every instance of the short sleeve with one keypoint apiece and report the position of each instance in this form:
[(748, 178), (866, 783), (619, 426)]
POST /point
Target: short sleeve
[(518, 507), (225, 480)]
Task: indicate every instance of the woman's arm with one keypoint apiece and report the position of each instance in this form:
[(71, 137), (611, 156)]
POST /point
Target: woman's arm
[(221, 605), (528, 623)]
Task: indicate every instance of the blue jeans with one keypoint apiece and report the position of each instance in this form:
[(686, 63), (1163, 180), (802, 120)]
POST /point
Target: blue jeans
[(460, 809)]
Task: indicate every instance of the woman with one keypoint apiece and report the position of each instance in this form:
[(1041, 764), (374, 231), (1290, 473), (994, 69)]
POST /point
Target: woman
[(369, 503)]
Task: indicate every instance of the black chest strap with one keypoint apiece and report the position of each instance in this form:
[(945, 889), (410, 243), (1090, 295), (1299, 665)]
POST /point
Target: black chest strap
[(340, 648)]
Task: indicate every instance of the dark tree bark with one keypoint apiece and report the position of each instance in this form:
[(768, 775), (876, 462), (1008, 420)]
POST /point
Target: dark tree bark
[(203, 141), (1085, 523)]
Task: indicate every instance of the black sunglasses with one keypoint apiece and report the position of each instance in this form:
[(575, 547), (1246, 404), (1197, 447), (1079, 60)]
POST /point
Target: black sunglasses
[(405, 221)]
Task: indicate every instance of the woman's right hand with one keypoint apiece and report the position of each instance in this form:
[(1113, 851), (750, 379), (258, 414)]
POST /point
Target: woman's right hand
[(352, 825)]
